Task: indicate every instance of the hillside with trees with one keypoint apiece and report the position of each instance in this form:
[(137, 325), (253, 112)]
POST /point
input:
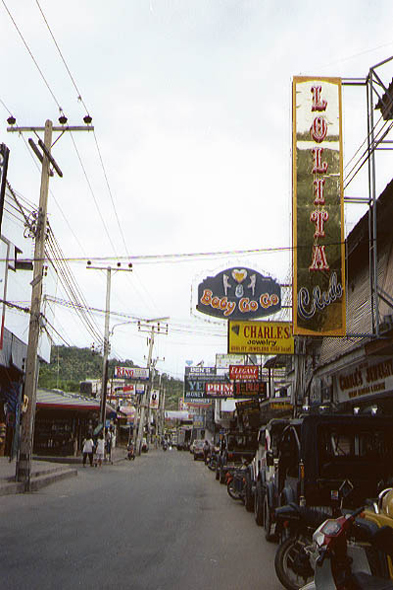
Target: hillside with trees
[(70, 365)]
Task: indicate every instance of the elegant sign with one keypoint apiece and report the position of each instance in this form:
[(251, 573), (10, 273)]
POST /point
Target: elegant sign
[(131, 373), (260, 337), (250, 388), (365, 380), (318, 218), (219, 389), (243, 372), (239, 293)]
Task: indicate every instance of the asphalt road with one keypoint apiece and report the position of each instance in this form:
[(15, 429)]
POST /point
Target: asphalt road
[(161, 522)]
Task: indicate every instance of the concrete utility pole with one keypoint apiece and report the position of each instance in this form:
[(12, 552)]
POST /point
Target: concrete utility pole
[(23, 465), (153, 329), (104, 383)]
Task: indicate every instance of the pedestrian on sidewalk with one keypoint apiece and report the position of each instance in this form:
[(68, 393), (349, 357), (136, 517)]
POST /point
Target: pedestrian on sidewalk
[(206, 451), (87, 450), (109, 444), (100, 450)]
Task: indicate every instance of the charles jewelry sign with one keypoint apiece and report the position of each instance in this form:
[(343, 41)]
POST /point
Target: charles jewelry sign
[(318, 225), (239, 293), (260, 338)]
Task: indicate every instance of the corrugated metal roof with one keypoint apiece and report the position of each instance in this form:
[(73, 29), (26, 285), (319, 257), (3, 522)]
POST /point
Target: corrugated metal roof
[(60, 399)]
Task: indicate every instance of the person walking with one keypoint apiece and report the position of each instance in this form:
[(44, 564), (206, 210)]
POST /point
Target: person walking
[(100, 450), (206, 450), (108, 445), (87, 450)]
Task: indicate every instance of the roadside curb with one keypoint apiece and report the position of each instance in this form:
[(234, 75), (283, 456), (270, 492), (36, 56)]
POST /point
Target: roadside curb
[(39, 479)]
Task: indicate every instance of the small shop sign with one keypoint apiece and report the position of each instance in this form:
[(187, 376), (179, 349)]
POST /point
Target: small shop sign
[(243, 372), (131, 373), (250, 389)]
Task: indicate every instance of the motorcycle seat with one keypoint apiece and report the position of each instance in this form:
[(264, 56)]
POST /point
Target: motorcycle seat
[(363, 581)]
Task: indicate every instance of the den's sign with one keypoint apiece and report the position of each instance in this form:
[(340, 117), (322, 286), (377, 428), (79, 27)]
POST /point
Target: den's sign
[(239, 293)]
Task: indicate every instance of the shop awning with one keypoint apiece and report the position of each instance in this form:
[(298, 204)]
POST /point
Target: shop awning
[(57, 399)]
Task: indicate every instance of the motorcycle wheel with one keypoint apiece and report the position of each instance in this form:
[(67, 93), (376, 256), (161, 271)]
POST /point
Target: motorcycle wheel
[(258, 505), (292, 564), (234, 494)]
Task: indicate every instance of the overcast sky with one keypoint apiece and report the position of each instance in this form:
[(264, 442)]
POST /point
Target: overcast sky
[(191, 104)]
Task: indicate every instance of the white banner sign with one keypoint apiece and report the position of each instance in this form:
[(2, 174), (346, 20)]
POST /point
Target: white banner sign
[(131, 373)]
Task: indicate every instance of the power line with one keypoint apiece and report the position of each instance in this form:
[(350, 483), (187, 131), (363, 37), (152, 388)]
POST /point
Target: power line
[(62, 58), (32, 56)]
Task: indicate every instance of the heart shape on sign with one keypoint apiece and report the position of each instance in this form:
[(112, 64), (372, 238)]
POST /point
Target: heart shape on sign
[(239, 274)]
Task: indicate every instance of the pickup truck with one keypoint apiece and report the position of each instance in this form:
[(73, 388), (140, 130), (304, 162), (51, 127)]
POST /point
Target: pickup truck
[(262, 469), (236, 448), (317, 454)]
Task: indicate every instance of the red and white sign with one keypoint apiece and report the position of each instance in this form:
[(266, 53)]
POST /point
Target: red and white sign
[(154, 399), (131, 373), (219, 389), (243, 372)]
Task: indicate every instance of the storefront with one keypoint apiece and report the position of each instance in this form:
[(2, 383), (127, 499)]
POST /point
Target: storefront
[(12, 355), (355, 373), (63, 420)]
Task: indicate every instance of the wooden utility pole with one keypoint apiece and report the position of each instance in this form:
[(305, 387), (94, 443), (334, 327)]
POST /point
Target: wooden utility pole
[(153, 329), (23, 465), (27, 423), (104, 383)]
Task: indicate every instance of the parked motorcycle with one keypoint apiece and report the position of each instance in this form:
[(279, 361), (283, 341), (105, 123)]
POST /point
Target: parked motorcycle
[(212, 461), (340, 563), (236, 480), (130, 452), (294, 527), (164, 446)]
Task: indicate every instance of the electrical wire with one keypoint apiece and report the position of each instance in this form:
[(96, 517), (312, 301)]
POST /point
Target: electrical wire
[(32, 57), (80, 99)]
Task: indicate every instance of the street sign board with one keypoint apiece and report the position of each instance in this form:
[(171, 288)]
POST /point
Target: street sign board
[(239, 293), (132, 373), (243, 372), (260, 337), (250, 388), (219, 390)]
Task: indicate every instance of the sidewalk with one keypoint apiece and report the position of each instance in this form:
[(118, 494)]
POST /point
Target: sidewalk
[(44, 471)]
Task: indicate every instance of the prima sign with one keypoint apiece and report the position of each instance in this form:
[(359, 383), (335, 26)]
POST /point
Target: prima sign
[(239, 293)]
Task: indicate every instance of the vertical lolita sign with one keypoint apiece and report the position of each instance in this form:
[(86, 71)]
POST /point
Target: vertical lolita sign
[(318, 226)]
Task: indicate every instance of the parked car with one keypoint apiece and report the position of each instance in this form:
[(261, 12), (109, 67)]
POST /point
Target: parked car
[(197, 450), (317, 454), (263, 466), (236, 448)]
